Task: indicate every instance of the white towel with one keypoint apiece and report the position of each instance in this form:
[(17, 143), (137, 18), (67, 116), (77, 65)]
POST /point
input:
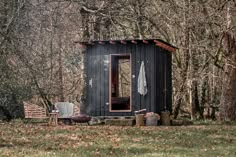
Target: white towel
[(142, 83)]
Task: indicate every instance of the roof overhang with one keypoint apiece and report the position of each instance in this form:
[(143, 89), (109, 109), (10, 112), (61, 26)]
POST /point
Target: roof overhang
[(157, 42)]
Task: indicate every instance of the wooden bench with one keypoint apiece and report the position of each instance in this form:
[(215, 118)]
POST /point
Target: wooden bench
[(33, 111)]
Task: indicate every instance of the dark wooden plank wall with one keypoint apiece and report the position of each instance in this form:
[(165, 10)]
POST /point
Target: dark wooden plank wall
[(134, 75), (107, 51), (163, 80), (158, 72), (169, 81)]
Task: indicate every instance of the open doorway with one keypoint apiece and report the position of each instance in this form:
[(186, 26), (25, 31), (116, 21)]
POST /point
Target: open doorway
[(120, 83)]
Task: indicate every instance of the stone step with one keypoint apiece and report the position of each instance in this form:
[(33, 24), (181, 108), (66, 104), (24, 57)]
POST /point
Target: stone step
[(120, 122)]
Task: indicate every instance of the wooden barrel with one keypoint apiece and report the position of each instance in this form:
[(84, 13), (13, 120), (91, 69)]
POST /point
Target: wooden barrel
[(165, 118), (139, 119), (151, 120)]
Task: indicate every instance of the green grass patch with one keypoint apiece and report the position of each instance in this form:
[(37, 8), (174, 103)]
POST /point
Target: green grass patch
[(39, 140)]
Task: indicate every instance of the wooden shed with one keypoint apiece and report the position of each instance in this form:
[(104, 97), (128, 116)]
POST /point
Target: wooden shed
[(112, 70)]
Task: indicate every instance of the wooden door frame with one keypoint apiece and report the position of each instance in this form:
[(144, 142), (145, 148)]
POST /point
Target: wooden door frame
[(110, 82)]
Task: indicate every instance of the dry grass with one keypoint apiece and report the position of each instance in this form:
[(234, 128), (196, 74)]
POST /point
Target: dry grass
[(39, 140)]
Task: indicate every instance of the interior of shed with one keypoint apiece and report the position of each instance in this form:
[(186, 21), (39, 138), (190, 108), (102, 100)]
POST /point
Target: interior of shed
[(120, 83)]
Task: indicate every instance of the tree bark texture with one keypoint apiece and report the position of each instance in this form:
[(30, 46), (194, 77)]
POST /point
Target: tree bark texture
[(186, 59), (228, 98)]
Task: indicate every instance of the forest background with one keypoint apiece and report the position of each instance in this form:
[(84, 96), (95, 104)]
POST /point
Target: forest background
[(41, 62)]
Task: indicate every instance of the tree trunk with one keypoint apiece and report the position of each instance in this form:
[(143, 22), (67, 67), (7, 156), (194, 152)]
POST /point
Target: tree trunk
[(186, 58), (228, 98), (61, 92)]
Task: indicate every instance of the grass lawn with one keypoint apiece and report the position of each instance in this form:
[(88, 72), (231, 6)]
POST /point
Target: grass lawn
[(38, 140)]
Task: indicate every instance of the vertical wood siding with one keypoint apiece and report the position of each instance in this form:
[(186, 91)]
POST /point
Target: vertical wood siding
[(158, 70)]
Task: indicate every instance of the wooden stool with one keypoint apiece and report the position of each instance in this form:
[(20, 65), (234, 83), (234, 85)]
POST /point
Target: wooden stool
[(53, 119), (139, 119)]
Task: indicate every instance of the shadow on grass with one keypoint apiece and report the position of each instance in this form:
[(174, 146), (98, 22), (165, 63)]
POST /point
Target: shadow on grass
[(214, 122), (2, 145), (113, 151), (94, 150)]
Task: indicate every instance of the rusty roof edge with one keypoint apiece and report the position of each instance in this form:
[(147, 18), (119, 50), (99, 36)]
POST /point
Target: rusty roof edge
[(91, 42)]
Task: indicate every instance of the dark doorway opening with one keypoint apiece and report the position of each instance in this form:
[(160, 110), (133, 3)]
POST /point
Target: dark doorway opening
[(120, 83)]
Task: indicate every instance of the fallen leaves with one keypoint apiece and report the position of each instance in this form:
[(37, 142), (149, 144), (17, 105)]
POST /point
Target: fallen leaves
[(115, 141)]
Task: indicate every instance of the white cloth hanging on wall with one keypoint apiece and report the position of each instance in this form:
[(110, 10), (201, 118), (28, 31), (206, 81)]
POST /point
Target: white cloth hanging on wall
[(142, 83)]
